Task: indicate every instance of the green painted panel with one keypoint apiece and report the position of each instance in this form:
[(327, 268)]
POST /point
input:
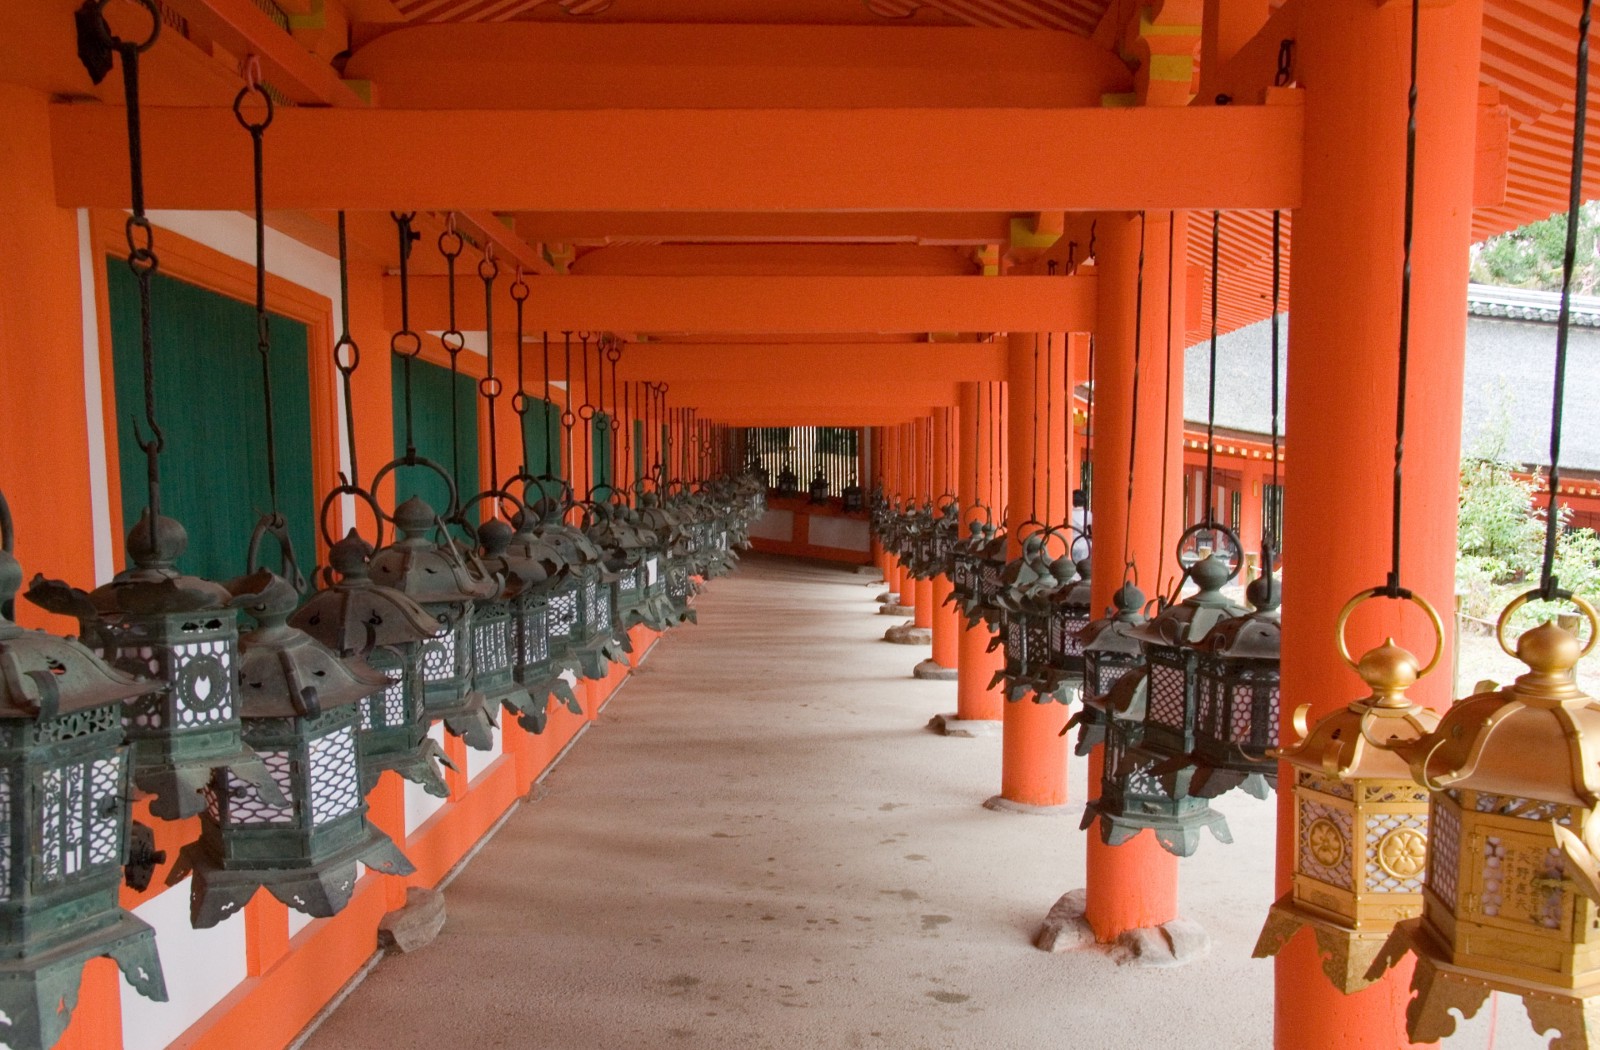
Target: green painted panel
[(209, 403), (541, 430), (600, 446), (431, 426)]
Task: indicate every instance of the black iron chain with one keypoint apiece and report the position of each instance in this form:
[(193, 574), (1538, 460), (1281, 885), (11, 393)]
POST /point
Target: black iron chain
[(519, 403), (452, 338), (1270, 507), (257, 129), (1392, 587), (406, 342), (1166, 403), (490, 386), (1211, 381), (1129, 571), (1549, 586), (346, 354)]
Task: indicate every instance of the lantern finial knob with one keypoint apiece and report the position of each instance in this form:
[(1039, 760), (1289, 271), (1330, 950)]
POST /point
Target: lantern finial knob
[(414, 516), (1210, 573), (349, 556), (10, 580), (1389, 671), (157, 547), (1265, 593), (495, 536)]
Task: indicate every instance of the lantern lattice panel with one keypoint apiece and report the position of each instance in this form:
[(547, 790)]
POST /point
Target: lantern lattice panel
[(440, 657), (1166, 695), (245, 804), (535, 634), (1324, 834), (1444, 854), (201, 671), (335, 779), (564, 610), (1396, 850), (492, 644), (1064, 630)]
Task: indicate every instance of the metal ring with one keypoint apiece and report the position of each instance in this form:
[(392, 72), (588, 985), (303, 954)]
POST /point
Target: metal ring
[(254, 127), (567, 418), (419, 461), (401, 340), (453, 340), (451, 234), (347, 489), (1380, 592), (520, 402), (519, 289), (488, 268), (613, 353), (586, 412), (344, 344), (1523, 599), (155, 26), (491, 387), (1212, 527)]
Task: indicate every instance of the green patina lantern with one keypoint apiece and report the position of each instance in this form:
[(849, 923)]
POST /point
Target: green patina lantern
[(818, 490), (64, 826), (1109, 651), (1171, 652), (300, 704), (1031, 582), (581, 609), (495, 623), (1236, 724), (155, 622), (357, 617), (788, 486), (852, 499), (438, 579), (1069, 617), (1135, 794), (544, 661)]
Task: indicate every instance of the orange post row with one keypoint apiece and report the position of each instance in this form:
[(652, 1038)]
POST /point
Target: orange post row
[(980, 484)]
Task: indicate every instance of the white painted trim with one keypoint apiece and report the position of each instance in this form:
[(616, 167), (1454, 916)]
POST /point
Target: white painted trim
[(94, 403)]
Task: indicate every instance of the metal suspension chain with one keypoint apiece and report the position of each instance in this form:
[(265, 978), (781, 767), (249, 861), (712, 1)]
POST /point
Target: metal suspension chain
[(1129, 571), (346, 354), (406, 342), (1211, 385), (519, 401), (1549, 586), (97, 45), (257, 129), (452, 338), (490, 386), (1269, 508), (1166, 403)]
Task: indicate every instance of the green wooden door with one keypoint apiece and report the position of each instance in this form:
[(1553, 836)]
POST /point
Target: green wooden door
[(209, 404)]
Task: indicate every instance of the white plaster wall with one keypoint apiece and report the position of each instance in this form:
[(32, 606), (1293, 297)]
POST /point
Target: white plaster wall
[(478, 762), (848, 534), (774, 525), (201, 968), (419, 804)]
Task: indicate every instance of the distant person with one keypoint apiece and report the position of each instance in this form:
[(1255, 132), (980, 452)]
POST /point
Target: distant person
[(1082, 523)]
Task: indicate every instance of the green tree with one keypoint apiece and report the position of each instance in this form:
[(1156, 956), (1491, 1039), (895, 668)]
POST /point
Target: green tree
[(1530, 256)]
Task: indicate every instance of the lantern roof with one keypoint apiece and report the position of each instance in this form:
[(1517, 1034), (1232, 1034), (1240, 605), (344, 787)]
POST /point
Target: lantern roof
[(1189, 621), (420, 568), (355, 614)]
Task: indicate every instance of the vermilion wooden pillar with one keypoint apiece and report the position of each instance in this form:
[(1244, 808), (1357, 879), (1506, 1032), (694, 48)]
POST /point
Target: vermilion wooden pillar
[(981, 447), (1353, 56), (923, 474), (945, 619), (1033, 763), (891, 491), (907, 445), (1134, 885)]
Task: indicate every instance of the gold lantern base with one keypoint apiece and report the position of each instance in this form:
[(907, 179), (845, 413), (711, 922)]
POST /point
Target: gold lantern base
[(1439, 987), (1349, 956)]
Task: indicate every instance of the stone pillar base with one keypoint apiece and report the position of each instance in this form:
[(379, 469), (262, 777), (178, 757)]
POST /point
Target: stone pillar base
[(952, 725), (929, 671), (415, 925), (893, 609), (888, 598), (909, 634), (1174, 943), (1000, 804)]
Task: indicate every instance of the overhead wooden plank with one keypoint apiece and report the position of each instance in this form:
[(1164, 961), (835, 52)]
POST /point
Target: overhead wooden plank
[(775, 364)]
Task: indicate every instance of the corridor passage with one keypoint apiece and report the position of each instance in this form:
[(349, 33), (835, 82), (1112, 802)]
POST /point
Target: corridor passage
[(758, 845)]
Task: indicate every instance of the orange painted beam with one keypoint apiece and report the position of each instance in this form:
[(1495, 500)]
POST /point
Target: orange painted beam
[(820, 260), (520, 65), (797, 305), (773, 364), (968, 229), (919, 159), (813, 416)]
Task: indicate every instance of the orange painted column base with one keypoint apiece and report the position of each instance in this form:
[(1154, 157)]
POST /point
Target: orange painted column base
[(1129, 887), (1033, 755), (975, 668), (946, 621)]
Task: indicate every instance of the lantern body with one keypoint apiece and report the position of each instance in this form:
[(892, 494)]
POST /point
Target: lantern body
[(64, 825), (301, 712), (1136, 794), (1236, 724), (1513, 876)]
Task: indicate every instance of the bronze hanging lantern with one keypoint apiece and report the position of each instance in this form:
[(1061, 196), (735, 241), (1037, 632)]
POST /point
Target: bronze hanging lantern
[(852, 499), (1069, 617), (544, 661), (788, 486), (818, 490), (154, 622), (66, 822), (438, 579), (355, 617), (1360, 820), (1236, 682), (494, 623), (1109, 651), (1026, 597), (300, 706)]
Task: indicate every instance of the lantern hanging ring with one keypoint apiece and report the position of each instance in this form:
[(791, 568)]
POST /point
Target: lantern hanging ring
[(1582, 604), (347, 488), (1416, 599)]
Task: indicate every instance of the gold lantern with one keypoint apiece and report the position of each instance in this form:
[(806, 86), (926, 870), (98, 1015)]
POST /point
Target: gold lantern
[(1360, 820), (1512, 901)]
